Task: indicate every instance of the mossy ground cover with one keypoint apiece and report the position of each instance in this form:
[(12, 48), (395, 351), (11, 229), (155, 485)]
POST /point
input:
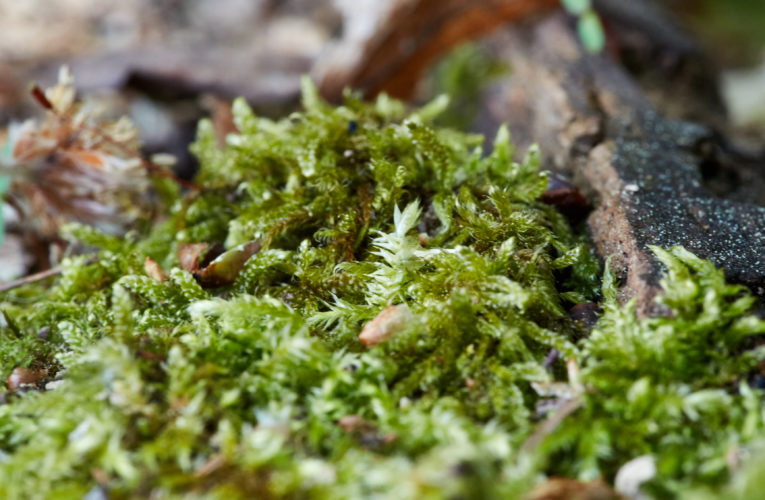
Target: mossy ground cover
[(261, 388)]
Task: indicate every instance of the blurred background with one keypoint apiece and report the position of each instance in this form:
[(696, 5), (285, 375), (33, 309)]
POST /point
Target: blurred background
[(166, 63), (171, 50)]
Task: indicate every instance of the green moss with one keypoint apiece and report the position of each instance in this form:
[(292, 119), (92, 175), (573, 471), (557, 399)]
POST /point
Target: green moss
[(262, 389), (674, 386)]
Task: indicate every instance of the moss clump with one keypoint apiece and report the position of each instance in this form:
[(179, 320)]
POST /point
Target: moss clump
[(673, 387), (262, 389)]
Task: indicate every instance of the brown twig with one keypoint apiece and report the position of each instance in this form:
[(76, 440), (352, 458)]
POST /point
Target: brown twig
[(414, 34), (32, 278)]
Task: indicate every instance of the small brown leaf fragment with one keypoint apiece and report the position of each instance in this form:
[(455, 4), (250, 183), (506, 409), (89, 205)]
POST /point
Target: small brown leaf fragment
[(386, 324), (151, 356), (225, 268), (566, 197), (188, 256), (559, 488), (22, 376), (153, 269)]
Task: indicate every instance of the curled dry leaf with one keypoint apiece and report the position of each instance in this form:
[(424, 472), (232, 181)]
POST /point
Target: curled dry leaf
[(386, 324), (189, 255), (153, 269), (225, 268), (221, 271), (74, 165), (23, 376)]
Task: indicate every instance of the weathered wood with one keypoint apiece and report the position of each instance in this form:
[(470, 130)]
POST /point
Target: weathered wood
[(595, 123)]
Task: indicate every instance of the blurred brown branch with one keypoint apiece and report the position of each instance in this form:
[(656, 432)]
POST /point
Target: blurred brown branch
[(411, 36)]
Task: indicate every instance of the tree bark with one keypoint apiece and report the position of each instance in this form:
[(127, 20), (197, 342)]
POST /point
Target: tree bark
[(643, 169)]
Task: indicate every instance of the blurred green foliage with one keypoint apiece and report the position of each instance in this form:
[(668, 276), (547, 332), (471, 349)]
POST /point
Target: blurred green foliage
[(731, 29), (463, 75)]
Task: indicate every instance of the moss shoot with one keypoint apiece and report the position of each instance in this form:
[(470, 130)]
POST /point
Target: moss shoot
[(150, 385)]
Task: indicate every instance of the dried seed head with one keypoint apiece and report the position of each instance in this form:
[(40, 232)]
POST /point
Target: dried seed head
[(75, 166)]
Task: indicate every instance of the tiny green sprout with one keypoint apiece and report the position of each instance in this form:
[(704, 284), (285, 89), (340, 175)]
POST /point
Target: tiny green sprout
[(589, 25), (591, 32)]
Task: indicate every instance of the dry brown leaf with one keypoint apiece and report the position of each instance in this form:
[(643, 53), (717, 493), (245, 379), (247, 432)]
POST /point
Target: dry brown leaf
[(197, 258), (225, 268), (189, 255), (386, 324), (153, 269), (23, 376)]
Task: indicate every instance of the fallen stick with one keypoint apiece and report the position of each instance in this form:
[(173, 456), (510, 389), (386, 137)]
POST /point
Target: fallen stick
[(33, 278)]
